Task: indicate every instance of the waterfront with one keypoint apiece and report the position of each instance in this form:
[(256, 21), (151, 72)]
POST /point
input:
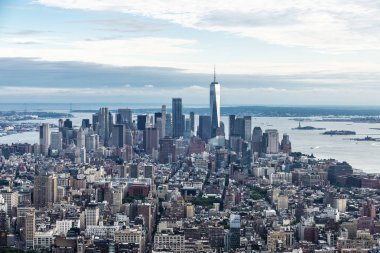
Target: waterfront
[(361, 155)]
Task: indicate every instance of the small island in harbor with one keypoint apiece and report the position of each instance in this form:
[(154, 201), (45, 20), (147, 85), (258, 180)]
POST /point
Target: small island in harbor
[(307, 127), (367, 138), (339, 132)]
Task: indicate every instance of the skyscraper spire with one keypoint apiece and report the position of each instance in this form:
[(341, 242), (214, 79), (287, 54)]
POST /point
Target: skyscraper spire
[(214, 75), (214, 105)]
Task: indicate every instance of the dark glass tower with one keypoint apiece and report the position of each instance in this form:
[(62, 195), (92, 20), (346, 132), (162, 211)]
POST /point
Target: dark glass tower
[(178, 126)]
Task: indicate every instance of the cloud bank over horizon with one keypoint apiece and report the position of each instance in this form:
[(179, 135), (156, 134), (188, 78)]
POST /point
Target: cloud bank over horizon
[(266, 52)]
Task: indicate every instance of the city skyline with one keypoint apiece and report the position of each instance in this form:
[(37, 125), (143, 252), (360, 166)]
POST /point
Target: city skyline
[(117, 136), (284, 54)]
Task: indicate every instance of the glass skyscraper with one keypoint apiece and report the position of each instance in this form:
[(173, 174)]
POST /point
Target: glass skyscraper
[(178, 124), (214, 106)]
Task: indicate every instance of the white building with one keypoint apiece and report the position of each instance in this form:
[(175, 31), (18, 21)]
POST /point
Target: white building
[(10, 199), (43, 240), (81, 140), (174, 242), (83, 155), (103, 232), (281, 178), (340, 204), (331, 213), (92, 215), (282, 202), (131, 235), (3, 204), (62, 226)]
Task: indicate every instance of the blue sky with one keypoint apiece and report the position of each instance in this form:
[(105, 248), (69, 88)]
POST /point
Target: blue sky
[(284, 52)]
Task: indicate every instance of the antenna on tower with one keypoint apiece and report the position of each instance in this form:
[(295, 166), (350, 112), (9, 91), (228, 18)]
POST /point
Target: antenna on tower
[(71, 107), (214, 74)]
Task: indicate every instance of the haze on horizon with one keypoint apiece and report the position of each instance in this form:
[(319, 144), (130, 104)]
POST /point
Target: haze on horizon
[(266, 51)]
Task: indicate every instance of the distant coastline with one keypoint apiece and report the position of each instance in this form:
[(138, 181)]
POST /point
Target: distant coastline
[(353, 114)]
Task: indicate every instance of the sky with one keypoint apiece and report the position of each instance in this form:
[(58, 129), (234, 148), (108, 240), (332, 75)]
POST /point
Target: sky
[(266, 52)]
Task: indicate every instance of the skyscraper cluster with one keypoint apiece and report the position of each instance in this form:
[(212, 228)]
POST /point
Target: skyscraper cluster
[(159, 134), (171, 181)]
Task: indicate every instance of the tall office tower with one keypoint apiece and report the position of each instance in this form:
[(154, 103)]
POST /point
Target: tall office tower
[(56, 140), (150, 139), (178, 126), (86, 123), (60, 124), (92, 142), (236, 143), (257, 139), (264, 143), (29, 228), (234, 231), (123, 171), (141, 122), (118, 119), (133, 170), (273, 141), (44, 138), (192, 121), (110, 123), (167, 151), (118, 135), (3, 223), (188, 127), (81, 139), (151, 121), (204, 128), (239, 127), (83, 155), (125, 117), (246, 154), (286, 145), (183, 124), (158, 125), (68, 124), (104, 125), (214, 105), (148, 171), (92, 214), (157, 115), (45, 190), (231, 125), (129, 137), (247, 128), (95, 122), (163, 121), (168, 126)]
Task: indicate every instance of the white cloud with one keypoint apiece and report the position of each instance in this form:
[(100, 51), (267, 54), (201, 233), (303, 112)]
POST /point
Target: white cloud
[(328, 25), (141, 51)]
